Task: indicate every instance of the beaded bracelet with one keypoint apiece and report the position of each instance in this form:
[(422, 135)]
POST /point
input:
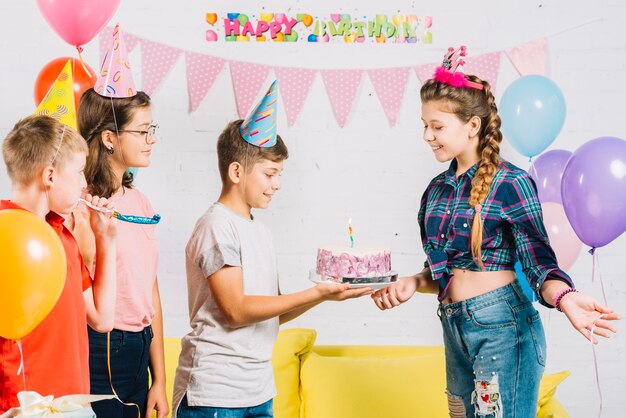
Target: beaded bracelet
[(556, 301)]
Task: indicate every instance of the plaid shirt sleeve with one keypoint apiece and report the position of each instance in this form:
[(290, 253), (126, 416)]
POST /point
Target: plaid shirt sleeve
[(522, 209)]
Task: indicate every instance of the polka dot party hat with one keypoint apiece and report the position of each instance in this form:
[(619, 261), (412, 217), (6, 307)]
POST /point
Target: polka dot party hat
[(259, 128), (115, 79)]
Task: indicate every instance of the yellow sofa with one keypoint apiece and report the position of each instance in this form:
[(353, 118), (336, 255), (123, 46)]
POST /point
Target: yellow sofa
[(346, 381)]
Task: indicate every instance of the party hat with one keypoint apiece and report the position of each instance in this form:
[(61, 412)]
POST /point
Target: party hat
[(259, 128), (115, 79), (59, 101)]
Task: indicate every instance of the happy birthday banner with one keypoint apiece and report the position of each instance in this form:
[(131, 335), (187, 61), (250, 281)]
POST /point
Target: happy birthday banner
[(342, 85), (336, 28)]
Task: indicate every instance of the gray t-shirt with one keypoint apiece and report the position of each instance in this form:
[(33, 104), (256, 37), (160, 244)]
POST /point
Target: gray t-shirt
[(220, 366)]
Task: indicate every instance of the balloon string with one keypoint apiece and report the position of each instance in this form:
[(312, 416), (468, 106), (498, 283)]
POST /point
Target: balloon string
[(595, 365), (21, 370), (600, 277), (80, 55)]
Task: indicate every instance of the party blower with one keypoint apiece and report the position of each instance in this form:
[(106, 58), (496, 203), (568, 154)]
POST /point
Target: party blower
[(126, 218)]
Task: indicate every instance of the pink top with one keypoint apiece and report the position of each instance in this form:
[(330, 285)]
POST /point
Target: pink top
[(137, 260)]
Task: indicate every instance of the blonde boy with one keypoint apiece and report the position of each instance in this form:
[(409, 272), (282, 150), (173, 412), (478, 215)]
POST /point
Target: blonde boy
[(45, 161)]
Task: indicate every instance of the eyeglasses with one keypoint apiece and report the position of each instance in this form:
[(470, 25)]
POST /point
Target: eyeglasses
[(151, 132)]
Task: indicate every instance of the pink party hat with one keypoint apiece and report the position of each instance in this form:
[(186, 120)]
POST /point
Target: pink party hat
[(115, 79), (259, 128)]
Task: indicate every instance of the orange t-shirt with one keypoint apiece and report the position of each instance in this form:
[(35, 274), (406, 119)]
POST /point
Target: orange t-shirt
[(56, 352)]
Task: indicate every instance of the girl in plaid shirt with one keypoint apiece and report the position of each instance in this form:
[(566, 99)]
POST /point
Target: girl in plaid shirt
[(477, 219)]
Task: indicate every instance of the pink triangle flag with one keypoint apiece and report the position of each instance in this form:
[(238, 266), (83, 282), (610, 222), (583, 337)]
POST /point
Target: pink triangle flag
[(247, 79), (390, 84), (342, 87), (295, 84), (202, 70), (425, 72), (156, 61), (529, 58), (485, 66), (130, 42)]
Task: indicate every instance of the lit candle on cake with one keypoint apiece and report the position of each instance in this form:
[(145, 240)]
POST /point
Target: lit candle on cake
[(350, 231)]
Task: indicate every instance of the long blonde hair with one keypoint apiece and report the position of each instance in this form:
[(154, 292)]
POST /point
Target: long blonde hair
[(465, 103)]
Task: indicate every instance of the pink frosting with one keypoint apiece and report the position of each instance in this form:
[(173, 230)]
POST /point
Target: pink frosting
[(348, 265)]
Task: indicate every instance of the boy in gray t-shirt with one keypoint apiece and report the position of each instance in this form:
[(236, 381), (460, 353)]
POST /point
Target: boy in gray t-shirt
[(234, 302)]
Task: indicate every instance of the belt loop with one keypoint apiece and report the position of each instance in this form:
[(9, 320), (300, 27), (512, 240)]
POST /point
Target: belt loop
[(518, 290), (467, 314)]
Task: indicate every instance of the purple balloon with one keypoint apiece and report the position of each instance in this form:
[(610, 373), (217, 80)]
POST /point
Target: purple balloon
[(547, 171), (594, 190)]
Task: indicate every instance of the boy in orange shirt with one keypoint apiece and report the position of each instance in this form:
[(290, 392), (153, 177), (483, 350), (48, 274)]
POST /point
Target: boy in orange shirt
[(45, 161)]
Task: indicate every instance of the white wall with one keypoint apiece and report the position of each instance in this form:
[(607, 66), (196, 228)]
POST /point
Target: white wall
[(367, 171)]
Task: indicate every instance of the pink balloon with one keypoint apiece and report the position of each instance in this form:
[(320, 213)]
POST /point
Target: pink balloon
[(211, 36), (563, 238), (77, 21)]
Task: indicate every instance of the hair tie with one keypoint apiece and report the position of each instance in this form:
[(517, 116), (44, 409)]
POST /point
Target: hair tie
[(478, 208)]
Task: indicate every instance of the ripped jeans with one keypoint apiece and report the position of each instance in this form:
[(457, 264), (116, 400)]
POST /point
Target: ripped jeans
[(495, 354)]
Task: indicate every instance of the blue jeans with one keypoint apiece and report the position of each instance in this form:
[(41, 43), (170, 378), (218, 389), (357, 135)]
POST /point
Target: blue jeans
[(495, 354), (130, 354), (265, 410)]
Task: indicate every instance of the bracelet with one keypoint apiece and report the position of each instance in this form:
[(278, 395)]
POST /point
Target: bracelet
[(556, 301)]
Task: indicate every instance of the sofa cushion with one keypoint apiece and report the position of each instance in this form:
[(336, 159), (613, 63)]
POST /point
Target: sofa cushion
[(547, 387), (343, 387), (290, 345)]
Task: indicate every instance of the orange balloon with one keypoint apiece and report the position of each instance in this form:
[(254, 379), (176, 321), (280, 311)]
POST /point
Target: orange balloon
[(32, 271), (49, 73), (279, 37)]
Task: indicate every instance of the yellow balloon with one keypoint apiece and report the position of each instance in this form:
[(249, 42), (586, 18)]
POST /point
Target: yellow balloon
[(32, 272), (267, 17)]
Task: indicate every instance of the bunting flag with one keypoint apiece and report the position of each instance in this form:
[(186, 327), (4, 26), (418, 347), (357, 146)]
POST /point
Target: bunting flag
[(342, 87), (529, 58), (156, 61), (247, 79), (425, 72), (59, 101), (390, 85), (202, 70), (295, 84), (485, 66)]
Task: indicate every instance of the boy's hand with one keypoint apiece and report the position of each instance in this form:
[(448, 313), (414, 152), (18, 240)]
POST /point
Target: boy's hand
[(341, 291), (102, 224), (395, 294), (78, 224)]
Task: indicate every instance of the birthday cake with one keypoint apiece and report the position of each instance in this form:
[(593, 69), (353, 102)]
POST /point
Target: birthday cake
[(348, 262)]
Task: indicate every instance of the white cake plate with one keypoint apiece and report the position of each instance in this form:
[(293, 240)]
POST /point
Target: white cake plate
[(375, 283)]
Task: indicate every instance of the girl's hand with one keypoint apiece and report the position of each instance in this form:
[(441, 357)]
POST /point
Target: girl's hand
[(395, 294), (102, 224), (341, 291), (584, 312)]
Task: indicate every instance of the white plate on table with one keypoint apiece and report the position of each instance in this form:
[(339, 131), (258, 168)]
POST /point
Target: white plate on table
[(375, 283)]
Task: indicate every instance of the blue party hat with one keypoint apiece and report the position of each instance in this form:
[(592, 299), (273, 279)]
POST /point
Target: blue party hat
[(259, 128)]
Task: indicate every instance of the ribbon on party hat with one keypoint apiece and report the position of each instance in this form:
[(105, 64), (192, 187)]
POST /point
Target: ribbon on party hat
[(450, 71), (259, 128), (33, 404), (115, 78), (59, 101)]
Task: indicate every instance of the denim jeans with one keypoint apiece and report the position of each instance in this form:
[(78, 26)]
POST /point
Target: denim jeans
[(495, 354), (265, 410), (130, 354)]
